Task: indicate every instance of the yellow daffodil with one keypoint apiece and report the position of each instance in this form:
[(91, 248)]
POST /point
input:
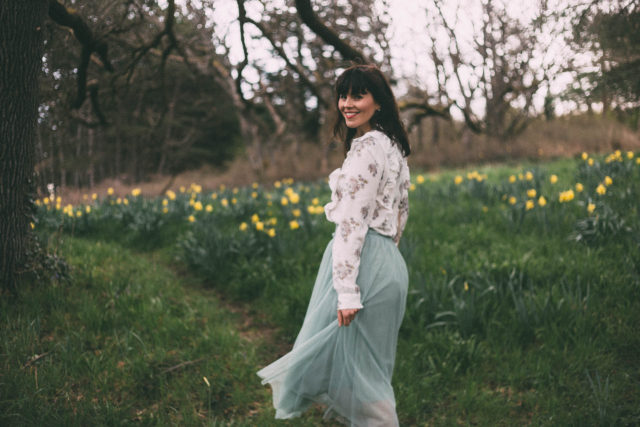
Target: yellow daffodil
[(192, 218), (84, 197), (466, 287), (579, 187), (296, 213), (165, 202), (512, 200), (254, 185), (165, 210), (420, 179), (608, 181), (520, 176), (94, 196), (125, 201), (512, 179), (110, 191), (271, 232), (485, 209), (255, 218), (224, 202), (87, 209), (590, 162), (214, 196), (235, 190), (284, 201), (601, 189), (294, 198), (209, 208), (591, 207), (528, 176), (637, 160), (182, 189), (566, 196), (243, 226), (294, 225), (630, 154), (553, 178), (585, 156), (542, 201), (531, 193), (259, 226), (234, 201), (277, 184), (412, 187), (197, 205), (315, 201), (529, 205), (458, 179), (32, 225), (223, 187), (254, 195)]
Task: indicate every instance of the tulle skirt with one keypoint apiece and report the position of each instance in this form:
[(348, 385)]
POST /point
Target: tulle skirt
[(347, 369)]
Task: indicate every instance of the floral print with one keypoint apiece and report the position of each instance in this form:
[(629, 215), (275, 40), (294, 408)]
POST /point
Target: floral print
[(370, 190)]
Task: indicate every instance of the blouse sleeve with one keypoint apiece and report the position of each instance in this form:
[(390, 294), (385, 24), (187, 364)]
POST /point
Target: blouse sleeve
[(353, 202), (403, 205)]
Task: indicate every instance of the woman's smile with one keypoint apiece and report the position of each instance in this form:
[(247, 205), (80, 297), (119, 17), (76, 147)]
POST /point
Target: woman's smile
[(357, 110)]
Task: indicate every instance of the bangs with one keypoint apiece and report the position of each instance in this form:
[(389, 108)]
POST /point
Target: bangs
[(353, 82)]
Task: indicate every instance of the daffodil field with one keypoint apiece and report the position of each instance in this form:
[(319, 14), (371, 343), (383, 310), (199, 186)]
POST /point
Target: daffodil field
[(524, 284)]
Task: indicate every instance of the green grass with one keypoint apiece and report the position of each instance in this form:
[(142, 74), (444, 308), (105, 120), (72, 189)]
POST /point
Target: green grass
[(515, 316)]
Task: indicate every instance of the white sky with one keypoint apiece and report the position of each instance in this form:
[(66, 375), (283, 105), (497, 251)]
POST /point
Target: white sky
[(410, 44)]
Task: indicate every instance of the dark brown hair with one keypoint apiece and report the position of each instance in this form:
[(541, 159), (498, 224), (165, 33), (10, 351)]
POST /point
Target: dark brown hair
[(358, 80)]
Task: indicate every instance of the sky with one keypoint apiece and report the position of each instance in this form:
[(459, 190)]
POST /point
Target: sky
[(410, 44)]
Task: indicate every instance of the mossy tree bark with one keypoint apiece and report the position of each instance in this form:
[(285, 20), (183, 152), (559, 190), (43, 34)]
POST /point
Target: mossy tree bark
[(21, 49)]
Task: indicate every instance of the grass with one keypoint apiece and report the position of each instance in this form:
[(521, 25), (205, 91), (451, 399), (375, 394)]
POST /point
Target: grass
[(515, 316)]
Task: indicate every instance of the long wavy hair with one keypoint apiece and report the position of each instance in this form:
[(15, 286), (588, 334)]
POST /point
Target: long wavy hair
[(358, 80)]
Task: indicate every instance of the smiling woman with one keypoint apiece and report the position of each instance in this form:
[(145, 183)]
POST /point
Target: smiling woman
[(345, 351)]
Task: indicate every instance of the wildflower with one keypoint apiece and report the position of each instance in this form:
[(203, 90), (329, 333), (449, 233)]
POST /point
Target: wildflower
[(255, 218), (243, 226), (542, 201), (125, 201), (311, 209), (78, 214), (320, 210), (529, 205), (110, 191), (259, 226), (272, 232), (171, 194), (254, 185), (165, 210), (294, 225), (87, 209), (118, 200), (466, 287), (591, 207), (84, 197), (94, 196), (601, 189), (566, 196), (234, 201), (192, 218), (192, 202), (520, 176), (629, 154), (579, 187), (512, 179), (528, 176), (412, 187), (182, 189), (531, 193), (209, 208), (512, 200), (420, 179), (608, 181), (296, 212), (214, 196), (458, 179), (585, 156), (553, 178), (235, 190), (284, 201), (32, 225), (224, 202), (254, 195), (638, 160), (485, 209), (196, 188), (590, 162), (272, 221), (294, 197), (223, 187), (277, 184), (315, 201), (197, 205)]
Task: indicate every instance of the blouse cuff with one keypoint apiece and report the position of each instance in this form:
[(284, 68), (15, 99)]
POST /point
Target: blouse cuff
[(349, 301)]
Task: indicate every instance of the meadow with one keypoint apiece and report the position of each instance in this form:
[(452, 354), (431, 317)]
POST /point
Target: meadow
[(524, 301)]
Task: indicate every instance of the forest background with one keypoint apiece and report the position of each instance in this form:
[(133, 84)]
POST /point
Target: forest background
[(170, 93)]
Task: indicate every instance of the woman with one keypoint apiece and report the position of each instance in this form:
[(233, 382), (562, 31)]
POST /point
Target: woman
[(344, 354)]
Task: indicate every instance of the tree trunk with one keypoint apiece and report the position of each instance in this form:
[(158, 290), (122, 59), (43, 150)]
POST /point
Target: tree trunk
[(21, 47)]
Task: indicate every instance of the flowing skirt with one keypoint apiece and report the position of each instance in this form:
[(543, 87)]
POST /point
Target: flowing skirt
[(348, 369)]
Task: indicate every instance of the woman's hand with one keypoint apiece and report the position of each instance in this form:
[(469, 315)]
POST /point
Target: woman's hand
[(346, 316)]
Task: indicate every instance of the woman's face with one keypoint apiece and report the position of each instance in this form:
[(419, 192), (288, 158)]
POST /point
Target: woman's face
[(357, 110)]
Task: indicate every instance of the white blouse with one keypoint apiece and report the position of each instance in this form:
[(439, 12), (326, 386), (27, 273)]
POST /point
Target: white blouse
[(370, 190)]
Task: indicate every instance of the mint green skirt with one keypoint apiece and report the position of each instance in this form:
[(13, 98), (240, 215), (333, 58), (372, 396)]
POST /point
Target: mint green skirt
[(347, 369)]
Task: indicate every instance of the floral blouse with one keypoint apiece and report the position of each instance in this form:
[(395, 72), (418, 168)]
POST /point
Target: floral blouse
[(370, 190)]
